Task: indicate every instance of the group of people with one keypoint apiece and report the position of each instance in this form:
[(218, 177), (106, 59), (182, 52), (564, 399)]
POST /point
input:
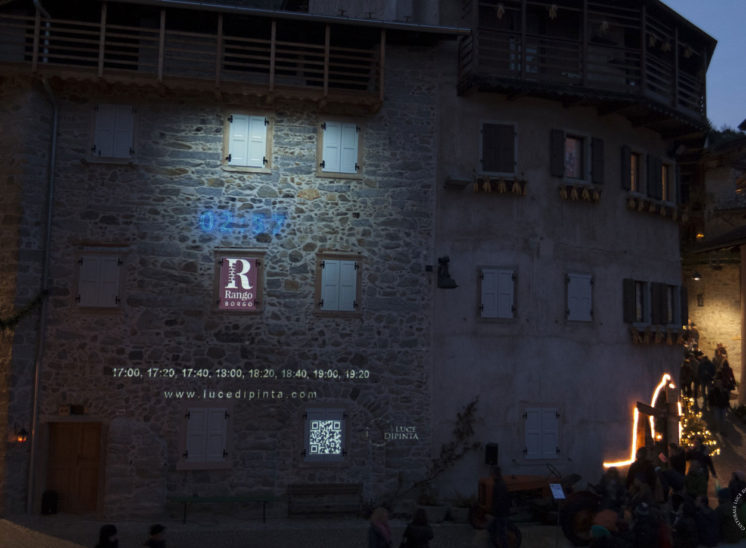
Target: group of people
[(712, 380), (663, 503), (108, 537)]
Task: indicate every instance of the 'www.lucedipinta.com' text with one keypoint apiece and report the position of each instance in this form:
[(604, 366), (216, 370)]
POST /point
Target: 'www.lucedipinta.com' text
[(209, 394)]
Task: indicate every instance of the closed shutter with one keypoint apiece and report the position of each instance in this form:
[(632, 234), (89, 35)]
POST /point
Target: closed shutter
[(238, 140), (629, 299), (579, 294), (541, 433), (497, 293), (98, 281), (626, 168), (257, 143), (597, 161), (557, 153), (196, 442), (347, 285), (533, 433), (215, 447), (348, 146), (331, 160), (498, 148), (113, 132), (330, 285)]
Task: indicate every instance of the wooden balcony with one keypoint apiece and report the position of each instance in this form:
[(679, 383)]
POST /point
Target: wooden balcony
[(639, 58), (212, 51)]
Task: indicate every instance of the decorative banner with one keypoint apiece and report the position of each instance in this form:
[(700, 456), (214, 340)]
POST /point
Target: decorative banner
[(237, 289)]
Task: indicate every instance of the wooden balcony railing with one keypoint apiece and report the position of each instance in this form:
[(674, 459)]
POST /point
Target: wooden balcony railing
[(214, 60), (594, 47)]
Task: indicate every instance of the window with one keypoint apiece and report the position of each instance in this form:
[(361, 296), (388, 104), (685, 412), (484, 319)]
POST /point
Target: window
[(325, 435), (497, 293), (339, 149), (666, 190), (635, 301), (247, 142), (239, 279), (498, 148), (631, 162), (113, 132), (579, 297), (98, 280), (338, 283), (665, 304), (205, 438), (541, 431), (570, 155)]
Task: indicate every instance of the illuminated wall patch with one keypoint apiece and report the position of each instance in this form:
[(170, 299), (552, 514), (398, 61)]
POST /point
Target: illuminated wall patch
[(223, 221)]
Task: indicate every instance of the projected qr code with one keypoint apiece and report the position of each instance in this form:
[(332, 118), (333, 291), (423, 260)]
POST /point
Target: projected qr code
[(325, 437)]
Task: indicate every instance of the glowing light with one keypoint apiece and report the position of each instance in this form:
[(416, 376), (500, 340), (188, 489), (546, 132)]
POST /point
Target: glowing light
[(665, 379)]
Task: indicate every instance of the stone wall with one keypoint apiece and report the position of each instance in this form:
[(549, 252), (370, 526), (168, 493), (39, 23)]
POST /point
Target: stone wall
[(23, 184), (148, 211)]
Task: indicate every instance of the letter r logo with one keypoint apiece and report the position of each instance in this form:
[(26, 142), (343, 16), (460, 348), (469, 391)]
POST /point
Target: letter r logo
[(238, 273)]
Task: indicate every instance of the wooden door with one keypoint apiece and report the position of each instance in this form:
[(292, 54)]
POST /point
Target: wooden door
[(73, 465)]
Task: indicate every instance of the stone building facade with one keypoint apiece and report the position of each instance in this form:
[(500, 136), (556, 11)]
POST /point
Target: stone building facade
[(223, 319)]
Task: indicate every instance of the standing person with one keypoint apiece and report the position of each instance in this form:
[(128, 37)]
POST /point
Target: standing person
[(500, 509), (379, 532), (686, 376), (719, 402), (418, 533), (156, 540), (642, 469), (699, 453), (107, 537), (705, 374)]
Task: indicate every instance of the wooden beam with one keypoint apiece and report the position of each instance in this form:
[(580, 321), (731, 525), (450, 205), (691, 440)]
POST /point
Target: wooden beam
[(272, 54), (161, 45), (327, 47), (219, 51), (381, 59), (102, 40)]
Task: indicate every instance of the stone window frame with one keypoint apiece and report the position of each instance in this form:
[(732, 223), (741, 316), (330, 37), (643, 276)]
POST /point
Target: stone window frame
[(226, 463), (321, 129), (321, 257), (240, 252), (269, 138), (93, 157)]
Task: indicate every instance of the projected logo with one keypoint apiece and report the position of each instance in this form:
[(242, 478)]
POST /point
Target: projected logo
[(325, 437), (237, 283)]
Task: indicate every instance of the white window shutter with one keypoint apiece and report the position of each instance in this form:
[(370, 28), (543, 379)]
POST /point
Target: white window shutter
[(103, 139), (123, 129), (549, 433), (347, 285), (238, 140), (505, 293), (215, 434), (88, 281), (332, 147), (490, 293), (109, 281), (257, 141), (196, 442), (330, 285), (533, 433), (348, 159), (579, 297)]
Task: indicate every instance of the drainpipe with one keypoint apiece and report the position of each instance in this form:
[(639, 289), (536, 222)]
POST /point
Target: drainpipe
[(40, 345), (44, 289)]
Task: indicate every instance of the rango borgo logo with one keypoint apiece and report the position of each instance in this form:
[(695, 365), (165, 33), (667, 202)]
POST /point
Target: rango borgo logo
[(237, 283)]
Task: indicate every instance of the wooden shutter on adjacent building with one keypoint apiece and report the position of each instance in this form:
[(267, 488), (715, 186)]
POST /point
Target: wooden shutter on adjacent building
[(340, 148), (579, 297), (629, 300), (541, 433), (497, 293), (597, 161), (654, 182), (348, 148), (657, 303), (498, 148), (247, 141), (113, 132), (626, 167), (339, 285), (557, 153)]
